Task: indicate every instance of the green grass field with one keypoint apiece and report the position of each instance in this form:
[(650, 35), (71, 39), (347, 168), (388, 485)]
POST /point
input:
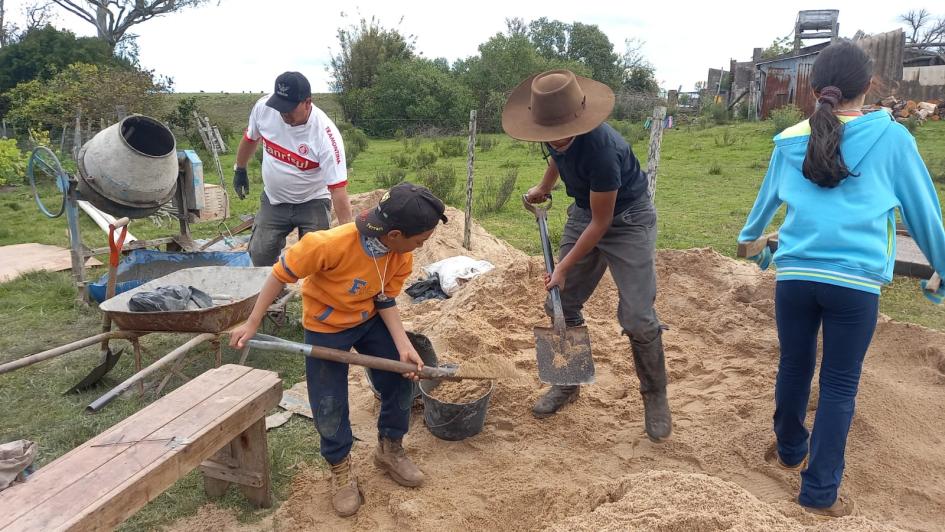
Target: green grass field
[(707, 182)]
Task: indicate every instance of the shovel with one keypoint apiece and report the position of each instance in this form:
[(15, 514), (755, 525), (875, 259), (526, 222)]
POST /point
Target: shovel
[(273, 343), (108, 358), (564, 353)]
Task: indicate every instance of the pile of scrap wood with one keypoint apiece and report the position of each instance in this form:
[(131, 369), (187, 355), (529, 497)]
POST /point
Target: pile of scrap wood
[(906, 109)]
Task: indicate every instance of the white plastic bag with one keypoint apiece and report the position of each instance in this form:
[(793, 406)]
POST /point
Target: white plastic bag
[(454, 271)]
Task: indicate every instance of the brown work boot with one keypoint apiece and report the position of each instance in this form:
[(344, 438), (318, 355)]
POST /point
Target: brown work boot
[(390, 457), (346, 496), (772, 457), (841, 507), (555, 398)]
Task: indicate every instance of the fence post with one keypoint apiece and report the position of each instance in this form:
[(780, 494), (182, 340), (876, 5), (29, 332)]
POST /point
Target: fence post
[(653, 156), (470, 158), (77, 136)]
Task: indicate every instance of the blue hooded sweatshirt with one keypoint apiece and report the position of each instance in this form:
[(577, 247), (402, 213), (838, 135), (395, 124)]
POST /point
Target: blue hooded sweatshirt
[(846, 235)]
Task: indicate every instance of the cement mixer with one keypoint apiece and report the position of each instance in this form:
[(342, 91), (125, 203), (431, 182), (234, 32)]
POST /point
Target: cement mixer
[(129, 169)]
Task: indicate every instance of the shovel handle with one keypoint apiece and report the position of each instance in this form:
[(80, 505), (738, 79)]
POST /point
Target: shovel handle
[(272, 343), (541, 216)]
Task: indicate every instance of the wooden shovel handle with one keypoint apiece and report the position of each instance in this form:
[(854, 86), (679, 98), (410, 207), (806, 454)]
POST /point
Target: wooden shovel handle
[(750, 249)]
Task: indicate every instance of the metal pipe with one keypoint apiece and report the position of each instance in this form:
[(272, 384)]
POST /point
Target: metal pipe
[(61, 350), (96, 405)]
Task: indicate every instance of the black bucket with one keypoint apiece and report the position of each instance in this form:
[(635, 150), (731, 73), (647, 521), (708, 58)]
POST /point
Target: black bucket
[(453, 421), (424, 348)]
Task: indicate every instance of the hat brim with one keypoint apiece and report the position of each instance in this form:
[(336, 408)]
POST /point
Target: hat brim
[(518, 123), (281, 104), (370, 224)]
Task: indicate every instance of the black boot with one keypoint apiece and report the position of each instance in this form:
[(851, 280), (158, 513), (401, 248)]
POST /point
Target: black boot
[(651, 369), (554, 399)]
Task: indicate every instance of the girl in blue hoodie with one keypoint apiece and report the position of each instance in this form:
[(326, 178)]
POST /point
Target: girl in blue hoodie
[(842, 175)]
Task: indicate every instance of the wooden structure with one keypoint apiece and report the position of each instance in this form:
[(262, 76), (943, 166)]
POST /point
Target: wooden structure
[(215, 422)]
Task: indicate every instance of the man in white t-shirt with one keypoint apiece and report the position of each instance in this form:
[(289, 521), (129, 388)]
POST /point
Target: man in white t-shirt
[(303, 168)]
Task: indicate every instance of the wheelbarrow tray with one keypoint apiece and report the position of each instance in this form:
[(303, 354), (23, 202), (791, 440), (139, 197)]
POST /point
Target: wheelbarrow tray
[(242, 284)]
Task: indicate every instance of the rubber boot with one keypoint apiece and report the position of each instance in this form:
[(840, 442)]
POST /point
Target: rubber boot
[(346, 497), (391, 457), (650, 365), (554, 399)]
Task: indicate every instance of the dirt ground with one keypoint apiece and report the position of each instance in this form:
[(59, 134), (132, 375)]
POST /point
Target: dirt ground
[(591, 467)]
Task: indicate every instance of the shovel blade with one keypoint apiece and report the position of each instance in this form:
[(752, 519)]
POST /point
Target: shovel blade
[(564, 361), (108, 361)]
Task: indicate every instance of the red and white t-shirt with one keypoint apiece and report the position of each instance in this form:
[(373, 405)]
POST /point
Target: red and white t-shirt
[(300, 163)]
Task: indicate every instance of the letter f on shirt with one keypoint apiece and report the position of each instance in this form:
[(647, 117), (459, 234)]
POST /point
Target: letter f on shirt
[(356, 286)]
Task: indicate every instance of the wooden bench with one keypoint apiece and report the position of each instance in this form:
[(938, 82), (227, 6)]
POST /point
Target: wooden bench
[(220, 414)]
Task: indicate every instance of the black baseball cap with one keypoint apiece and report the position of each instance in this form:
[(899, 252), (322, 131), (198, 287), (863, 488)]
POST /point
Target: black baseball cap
[(411, 209), (291, 89)]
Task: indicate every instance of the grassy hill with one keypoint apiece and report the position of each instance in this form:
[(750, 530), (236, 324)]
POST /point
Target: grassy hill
[(229, 110)]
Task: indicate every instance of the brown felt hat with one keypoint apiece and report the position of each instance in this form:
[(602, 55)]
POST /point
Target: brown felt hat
[(555, 105)]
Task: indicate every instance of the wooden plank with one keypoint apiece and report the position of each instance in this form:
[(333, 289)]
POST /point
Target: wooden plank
[(750, 249), (251, 450), (113, 491), (17, 259), (70, 468), (238, 475), (150, 482)]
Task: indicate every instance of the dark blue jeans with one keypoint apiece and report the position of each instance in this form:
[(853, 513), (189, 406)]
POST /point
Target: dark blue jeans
[(328, 387), (848, 318)]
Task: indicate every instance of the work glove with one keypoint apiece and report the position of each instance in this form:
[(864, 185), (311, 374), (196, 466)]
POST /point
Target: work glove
[(240, 182), (937, 297), (763, 259)]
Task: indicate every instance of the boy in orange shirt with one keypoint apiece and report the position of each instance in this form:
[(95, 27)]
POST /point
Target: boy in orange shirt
[(352, 273)]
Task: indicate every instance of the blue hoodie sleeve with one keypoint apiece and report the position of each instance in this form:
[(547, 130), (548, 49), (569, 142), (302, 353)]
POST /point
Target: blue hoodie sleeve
[(766, 204), (919, 204)]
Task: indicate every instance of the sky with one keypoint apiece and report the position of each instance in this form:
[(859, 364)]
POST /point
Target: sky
[(242, 45)]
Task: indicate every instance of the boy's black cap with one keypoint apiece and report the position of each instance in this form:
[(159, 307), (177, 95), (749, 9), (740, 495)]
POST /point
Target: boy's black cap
[(291, 88), (411, 209)]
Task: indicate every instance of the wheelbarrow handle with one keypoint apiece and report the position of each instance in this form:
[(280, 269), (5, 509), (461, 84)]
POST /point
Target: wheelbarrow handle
[(272, 343)]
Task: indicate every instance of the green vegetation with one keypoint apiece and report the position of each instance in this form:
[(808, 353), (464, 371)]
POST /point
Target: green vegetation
[(38, 311)]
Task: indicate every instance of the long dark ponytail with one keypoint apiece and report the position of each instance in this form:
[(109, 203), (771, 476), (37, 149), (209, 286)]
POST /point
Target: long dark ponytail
[(841, 72)]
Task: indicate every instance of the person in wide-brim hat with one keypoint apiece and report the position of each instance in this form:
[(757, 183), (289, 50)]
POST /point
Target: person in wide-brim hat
[(554, 105), (612, 223)]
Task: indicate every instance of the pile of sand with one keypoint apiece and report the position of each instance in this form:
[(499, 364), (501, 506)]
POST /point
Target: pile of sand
[(460, 392), (591, 465)]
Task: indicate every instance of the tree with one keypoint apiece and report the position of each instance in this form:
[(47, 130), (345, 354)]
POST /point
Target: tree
[(36, 15), (96, 89), (638, 74), (591, 47), (365, 48), (923, 29), (113, 18), (41, 53), (414, 90), (777, 47)]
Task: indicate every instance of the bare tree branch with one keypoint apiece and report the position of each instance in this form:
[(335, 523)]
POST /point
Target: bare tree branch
[(113, 18), (914, 20)]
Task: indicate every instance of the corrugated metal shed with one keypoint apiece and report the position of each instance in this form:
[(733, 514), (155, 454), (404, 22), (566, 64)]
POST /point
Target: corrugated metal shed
[(786, 80)]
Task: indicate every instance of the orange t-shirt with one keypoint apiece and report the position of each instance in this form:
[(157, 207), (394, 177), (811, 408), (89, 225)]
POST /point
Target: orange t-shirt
[(340, 277)]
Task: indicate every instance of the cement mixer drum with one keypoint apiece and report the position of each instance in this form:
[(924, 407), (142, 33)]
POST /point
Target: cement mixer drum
[(129, 168)]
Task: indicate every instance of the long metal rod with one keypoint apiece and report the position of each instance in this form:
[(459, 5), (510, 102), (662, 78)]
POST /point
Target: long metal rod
[(62, 350), (271, 343), (96, 405)]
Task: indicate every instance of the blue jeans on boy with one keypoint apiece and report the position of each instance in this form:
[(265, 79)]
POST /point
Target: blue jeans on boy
[(848, 317), (328, 387)]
